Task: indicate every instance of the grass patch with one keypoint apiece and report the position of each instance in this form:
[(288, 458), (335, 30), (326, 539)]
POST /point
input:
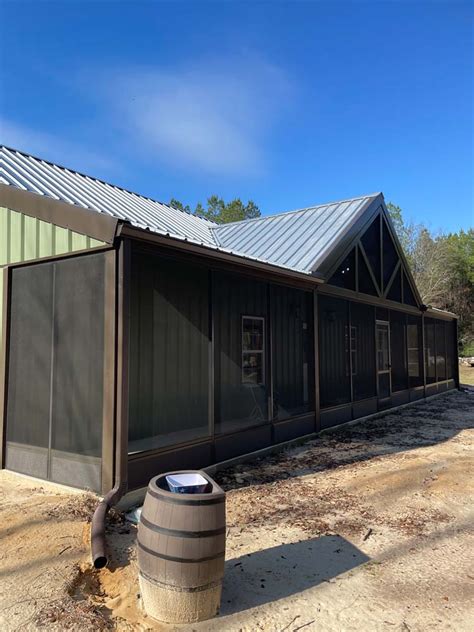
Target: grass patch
[(466, 374)]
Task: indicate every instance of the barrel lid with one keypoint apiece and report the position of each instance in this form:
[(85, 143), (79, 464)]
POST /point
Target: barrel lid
[(158, 488)]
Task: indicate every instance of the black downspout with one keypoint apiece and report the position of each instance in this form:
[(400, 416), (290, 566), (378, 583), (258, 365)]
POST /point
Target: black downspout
[(98, 544)]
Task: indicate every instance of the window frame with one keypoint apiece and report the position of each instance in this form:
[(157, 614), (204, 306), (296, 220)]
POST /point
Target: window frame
[(261, 351)]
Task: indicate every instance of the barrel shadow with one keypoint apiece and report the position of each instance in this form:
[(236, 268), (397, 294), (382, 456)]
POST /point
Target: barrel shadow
[(285, 570)]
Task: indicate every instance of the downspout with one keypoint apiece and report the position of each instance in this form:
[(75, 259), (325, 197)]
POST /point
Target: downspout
[(98, 543)]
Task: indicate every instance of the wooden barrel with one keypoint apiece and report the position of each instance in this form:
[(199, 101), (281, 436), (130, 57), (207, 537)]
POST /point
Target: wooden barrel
[(181, 552)]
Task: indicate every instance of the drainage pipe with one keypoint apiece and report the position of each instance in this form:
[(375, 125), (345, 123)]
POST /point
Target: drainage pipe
[(98, 544)]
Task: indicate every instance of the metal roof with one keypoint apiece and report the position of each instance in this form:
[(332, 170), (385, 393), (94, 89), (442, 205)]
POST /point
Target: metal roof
[(297, 240), (45, 178)]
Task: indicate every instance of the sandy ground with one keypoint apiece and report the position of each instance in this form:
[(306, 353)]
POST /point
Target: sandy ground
[(367, 528)]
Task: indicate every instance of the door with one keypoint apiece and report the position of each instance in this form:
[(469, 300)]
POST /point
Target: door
[(383, 359)]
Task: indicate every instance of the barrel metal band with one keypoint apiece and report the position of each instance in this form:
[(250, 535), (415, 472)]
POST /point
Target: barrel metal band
[(176, 500), (172, 588), (178, 533), (181, 560)]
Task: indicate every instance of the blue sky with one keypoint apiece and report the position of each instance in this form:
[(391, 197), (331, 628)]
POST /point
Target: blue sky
[(287, 103)]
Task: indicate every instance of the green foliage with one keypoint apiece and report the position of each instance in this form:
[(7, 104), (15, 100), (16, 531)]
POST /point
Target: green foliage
[(221, 212), (443, 269)]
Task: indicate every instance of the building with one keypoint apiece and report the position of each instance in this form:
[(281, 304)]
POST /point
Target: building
[(137, 338)]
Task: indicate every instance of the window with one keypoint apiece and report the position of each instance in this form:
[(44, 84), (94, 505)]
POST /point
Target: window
[(253, 350)]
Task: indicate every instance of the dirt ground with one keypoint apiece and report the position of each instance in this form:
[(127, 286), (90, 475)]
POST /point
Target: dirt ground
[(367, 528)]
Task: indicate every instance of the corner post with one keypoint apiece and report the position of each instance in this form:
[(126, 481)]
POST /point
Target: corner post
[(5, 331), (122, 361)]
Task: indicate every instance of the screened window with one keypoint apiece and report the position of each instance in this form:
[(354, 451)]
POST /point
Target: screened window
[(414, 351), (292, 351), (395, 291), (390, 256), (253, 350), (451, 350), (169, 353), (366, 284), (398, 350), (363, 350), (335, 379), (353, 348), (240, 314), (371, 243), (408, 296), (430, 351), (440, 351), (345, 274)]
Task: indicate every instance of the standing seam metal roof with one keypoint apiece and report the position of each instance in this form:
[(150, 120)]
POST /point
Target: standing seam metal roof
[(295, 240)]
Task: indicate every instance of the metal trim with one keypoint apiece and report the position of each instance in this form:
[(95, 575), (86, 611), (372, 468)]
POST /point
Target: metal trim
[(80, 220), (140, 234), (5, 324), (108, 406)]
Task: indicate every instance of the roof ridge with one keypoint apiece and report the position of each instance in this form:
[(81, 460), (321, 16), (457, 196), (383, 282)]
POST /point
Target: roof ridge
[(298, 210), (114, 186)]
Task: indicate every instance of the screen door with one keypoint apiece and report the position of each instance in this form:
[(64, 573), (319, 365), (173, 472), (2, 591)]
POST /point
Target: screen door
[(383, 359)]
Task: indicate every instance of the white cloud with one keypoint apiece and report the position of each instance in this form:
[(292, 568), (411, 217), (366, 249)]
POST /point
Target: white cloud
[(208, 116), (49, 147)]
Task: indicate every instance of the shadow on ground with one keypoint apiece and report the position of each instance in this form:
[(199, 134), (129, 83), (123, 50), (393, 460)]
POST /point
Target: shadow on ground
[(281, 571)]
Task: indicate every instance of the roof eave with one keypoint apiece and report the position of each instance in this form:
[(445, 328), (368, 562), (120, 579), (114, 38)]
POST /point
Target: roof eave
[(216, 253)]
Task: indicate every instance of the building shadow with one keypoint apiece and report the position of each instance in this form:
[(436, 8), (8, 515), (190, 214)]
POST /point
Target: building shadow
[(281, 571)]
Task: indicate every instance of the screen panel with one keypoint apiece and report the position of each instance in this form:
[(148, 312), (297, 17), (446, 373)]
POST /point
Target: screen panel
[(371, 242), (292, 341), (398, 349), (345, 274), (55, 397), (366, 284), (239, 403), (414, 351), (390, 255), (363, 351), (169, 349), (430, 351), (440, 351), (334, 364), (29, 370)]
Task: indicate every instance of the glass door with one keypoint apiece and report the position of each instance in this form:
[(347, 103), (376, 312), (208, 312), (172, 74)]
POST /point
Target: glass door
[(383, 359)]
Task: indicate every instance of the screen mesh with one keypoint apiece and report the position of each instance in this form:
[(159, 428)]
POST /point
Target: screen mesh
[(363, 350), (398, 351), (292, 337), (78, 356), (334, 365), (55, 372)]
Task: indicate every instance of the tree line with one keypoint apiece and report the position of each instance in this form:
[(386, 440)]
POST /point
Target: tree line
[(442, 263)]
